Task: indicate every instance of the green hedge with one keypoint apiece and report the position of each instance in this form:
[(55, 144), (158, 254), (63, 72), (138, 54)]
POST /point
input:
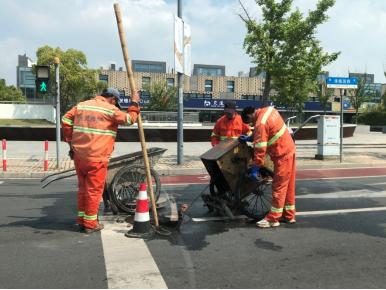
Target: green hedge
[(373, 118)]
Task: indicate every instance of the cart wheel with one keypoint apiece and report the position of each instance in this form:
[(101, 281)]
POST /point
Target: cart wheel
[(257, 204), (125, 186)]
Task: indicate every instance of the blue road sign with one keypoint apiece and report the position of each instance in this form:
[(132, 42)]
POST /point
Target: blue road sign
[(342, 83)]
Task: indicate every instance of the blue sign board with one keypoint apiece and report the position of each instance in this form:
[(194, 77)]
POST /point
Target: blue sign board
[(341, 83)]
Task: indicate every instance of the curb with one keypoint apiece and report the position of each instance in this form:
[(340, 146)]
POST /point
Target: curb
[(196, 171)]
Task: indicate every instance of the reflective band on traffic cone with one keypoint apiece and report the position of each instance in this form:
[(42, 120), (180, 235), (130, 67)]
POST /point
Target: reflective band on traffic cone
[(141, 227)]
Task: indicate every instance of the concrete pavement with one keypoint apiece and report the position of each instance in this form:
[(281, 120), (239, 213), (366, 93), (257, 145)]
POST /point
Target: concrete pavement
[(25, 159)]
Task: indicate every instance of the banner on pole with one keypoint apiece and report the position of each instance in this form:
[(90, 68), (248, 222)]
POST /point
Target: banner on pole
[(187, 50), (178, 45)]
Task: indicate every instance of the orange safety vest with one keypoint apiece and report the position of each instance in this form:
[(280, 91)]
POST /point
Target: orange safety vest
[(271, 136), (226, 128), (91, 128)]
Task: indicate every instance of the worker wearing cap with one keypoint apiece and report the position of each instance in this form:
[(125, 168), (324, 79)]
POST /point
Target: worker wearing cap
[(271, 136), (90, 129), (229, 126)]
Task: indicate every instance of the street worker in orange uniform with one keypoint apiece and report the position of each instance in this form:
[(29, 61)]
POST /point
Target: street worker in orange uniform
[(229, 126), (90, 129), (272, 136)]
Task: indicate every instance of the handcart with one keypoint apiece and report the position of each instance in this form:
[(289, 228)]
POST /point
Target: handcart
[(231, 191), (124, 175)]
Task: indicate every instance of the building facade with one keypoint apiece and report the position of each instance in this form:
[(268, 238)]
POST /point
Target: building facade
[(25, 78)]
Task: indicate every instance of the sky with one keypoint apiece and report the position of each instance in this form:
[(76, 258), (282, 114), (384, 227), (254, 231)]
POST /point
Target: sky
[(356, 28)]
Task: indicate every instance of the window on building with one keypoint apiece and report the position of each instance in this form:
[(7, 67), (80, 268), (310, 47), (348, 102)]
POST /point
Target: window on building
[(170, 82), (104, 78), (208, 85), (145, 82), (230, 86)]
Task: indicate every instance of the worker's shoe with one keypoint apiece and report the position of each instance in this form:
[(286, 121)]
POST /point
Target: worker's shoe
[(98, 228), (287, 221), (267, 224)]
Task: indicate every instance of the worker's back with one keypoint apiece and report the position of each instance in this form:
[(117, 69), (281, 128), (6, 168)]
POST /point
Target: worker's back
[(275, 136), (94, 129)]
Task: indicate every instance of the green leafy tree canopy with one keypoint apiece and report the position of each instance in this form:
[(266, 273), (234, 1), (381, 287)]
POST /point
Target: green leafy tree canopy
[(284, 46), (10, 93), (162, 96), (77, 81)]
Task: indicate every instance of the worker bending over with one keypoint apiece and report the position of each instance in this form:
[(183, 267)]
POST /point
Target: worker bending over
[(229, 126), (90, 129), (271, 136)]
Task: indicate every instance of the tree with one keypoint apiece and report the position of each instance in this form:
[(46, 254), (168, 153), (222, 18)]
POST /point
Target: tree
[(162, 96), (284, 46), (360, 95), (77, 81), (324, 94), (10, 93)]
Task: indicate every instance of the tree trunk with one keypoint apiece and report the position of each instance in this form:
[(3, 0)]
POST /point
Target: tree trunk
[(267, 86)]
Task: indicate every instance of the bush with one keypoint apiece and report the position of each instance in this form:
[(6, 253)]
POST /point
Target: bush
[(373, 118)]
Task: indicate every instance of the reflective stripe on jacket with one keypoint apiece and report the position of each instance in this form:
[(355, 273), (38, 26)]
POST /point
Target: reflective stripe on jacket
[(271, 136), (91, 128), (229, 129)]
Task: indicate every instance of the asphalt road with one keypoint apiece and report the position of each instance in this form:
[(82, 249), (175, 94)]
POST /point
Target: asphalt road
[(40, 248), (39, 243), (324, 251)]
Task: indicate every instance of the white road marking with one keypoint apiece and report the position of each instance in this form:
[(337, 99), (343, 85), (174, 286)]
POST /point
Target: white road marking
[(345, 194), (218, 218), (303, 213), (129, 263), (338, 178), (380, 183), (340, 211), (1, 182)]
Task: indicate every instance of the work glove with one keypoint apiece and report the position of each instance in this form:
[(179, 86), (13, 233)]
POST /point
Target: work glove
[(254, 173), (71, 153), (245, 138)]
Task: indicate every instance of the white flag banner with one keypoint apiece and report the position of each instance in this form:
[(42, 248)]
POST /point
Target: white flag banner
[(187, 50), (178, 45)]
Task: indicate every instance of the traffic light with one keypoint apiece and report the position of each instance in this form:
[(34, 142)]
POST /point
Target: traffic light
[(42, 86), (42, 79)]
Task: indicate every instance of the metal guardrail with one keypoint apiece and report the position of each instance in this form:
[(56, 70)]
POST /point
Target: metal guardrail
[(157, 116)]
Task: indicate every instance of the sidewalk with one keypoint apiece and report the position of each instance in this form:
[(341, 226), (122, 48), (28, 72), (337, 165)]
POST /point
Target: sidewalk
[(25, 159)]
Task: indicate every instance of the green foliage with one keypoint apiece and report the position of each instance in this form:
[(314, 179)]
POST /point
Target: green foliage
[(284, 46), (10, 93), (359, 96), (373, 118), (162, 96), (77, 82), (324, 94)]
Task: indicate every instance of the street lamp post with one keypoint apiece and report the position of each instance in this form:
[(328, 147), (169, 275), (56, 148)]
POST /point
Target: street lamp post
[(180, 114), (56, 62)]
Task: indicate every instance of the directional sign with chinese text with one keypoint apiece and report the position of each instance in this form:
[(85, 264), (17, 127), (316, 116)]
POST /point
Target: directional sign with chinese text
[(342, 83)]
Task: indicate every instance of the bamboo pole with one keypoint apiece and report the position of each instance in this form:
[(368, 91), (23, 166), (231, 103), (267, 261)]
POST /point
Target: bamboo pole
[(125, 52)]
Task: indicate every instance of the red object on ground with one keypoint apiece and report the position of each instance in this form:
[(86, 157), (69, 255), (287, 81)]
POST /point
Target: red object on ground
[(142, 217), (305, 174), (91, 182), (4, 146), (45, 155)]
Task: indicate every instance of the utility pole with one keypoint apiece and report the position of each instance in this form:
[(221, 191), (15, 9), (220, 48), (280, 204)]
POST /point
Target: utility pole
[(342, 93), (180, 114), (57, 61)]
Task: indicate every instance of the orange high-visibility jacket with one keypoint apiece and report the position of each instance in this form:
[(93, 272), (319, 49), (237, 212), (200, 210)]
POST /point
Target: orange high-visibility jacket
[(271, 136), (91, 128), (229, 129)]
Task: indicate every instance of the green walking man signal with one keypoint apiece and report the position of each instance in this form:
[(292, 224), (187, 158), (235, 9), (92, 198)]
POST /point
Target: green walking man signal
[(42, 79), (43, 87)]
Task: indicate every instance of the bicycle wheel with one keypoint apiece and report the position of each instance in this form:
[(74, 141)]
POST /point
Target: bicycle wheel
[(125, 186), (257, 203)]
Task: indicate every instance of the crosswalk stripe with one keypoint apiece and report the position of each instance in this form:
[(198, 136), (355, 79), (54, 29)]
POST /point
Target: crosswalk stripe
[(129, 263)]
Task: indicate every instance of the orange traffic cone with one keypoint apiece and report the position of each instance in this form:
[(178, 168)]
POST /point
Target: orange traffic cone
[(141, 227)]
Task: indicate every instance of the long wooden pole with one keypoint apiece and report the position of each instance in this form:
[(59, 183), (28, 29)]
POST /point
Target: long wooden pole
[(125, 52)]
